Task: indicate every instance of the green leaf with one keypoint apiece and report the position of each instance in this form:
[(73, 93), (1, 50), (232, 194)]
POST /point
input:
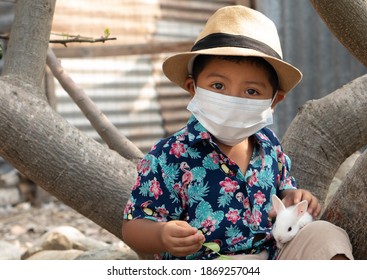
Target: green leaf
[(107, 32), (224, 257), (212, 246), (215, 248)]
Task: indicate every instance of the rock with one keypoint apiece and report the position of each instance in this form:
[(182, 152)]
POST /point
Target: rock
[(9, 196), (8, 175), (64, 238), (56, 255), (68, 243), (113, 252), (9, 251)]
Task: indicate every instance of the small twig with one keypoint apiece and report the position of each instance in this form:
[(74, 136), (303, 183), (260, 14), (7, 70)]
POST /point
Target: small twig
[(74, 39), (77, 40)]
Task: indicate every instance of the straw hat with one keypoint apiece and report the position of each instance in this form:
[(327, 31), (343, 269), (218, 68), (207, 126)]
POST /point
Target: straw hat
[(237, 31)]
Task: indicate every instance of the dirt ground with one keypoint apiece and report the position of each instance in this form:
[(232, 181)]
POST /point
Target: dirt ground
[(23, 224)]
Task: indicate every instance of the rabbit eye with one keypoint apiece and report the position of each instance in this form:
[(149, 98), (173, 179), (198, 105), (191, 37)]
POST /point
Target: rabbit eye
[(290, 228)]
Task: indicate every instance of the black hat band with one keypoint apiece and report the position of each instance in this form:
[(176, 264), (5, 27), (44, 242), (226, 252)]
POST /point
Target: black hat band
[(218, 40)]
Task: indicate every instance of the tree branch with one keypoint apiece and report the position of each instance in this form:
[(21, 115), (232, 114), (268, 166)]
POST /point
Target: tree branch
[(324, 133), (108, 132), (348, 207), (347, 21)]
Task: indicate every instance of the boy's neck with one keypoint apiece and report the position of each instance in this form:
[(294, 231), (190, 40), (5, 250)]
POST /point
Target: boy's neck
[(240, 153)]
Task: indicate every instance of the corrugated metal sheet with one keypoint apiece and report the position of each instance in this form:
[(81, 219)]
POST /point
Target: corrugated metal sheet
[(123, 88), (309, 45), (131, 90)]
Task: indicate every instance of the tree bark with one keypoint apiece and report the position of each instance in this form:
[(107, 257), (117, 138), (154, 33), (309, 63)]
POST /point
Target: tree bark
[(28, 43), (347, 21), (93, 180), (348, 207), (324, 133), (85, 175)]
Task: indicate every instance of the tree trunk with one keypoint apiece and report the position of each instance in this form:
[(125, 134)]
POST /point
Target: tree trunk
[(347, 21), (28, 43), (34, 139), (348, 207), (76, 169), (324, 133)]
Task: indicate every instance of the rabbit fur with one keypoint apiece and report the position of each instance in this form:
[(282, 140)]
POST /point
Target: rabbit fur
[(289, 220)]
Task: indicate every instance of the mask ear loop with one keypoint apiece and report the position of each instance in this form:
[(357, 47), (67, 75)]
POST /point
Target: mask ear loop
[(272, 100), (193, 81)]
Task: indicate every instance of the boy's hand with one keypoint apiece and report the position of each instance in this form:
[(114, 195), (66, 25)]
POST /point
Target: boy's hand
[(292, 197), (181, 239)]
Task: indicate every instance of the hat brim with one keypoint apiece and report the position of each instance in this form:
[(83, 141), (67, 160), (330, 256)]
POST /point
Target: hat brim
[(176, 66)]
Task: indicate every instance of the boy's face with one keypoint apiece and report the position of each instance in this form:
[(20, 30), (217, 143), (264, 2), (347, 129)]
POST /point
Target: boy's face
[(239, 79)]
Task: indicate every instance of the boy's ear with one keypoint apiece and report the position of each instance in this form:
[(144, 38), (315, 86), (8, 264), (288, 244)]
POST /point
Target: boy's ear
[(279, 97), (190, 85)]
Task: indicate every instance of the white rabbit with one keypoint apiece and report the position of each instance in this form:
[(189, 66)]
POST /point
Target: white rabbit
[(289, 220)]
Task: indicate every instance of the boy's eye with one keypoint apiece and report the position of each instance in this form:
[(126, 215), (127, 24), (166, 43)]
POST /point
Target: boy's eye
[(218, 86), (251, 91)]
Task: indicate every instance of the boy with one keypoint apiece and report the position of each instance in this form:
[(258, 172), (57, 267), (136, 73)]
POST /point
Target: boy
[(213, 180)]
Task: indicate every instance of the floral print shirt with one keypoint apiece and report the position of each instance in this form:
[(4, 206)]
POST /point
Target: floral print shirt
[(187, 177)]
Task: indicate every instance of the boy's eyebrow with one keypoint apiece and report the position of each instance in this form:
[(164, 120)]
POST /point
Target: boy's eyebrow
[(217, 75), (257, 83)]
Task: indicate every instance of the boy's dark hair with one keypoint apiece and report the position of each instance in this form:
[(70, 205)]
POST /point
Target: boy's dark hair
[(201, 61)]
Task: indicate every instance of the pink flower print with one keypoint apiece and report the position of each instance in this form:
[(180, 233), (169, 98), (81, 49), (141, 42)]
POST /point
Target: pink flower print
[(256, 217), (215, 157), (247, 216), (208, 225), (177, 149), (233, 215), (252, 180), (155, 188), (246, 203), (229, 186), (129, 207), (143, 167), (137, 183), (263, 136), (205, 135), (236, 239), (259, 198), (231, 162), (162, 214)]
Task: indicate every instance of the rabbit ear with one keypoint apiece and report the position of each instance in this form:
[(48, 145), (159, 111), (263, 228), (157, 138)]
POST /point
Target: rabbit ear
[(277, 204), (301, 208)]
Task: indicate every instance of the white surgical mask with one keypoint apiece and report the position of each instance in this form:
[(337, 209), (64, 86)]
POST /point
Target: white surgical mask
[(230, 119)]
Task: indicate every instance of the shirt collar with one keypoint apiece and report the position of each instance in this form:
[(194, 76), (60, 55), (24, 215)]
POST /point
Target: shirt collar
[(197, 132)]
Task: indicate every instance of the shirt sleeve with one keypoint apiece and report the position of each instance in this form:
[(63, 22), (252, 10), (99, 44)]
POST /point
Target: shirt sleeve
[(151, 198)]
